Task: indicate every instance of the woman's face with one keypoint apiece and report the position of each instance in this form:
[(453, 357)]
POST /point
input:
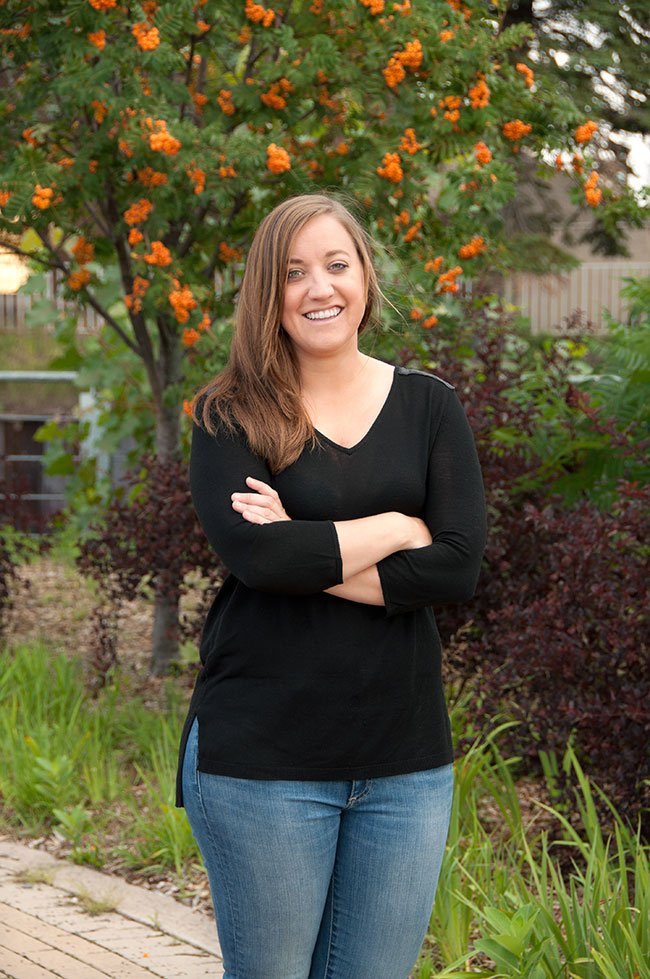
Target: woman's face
[(325, 292)]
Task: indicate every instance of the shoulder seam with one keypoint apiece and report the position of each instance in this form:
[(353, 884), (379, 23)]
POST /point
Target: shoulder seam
[(412, 370)]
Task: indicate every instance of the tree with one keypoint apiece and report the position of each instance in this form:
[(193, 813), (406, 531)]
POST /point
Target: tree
[(141, 143), (596, 52)]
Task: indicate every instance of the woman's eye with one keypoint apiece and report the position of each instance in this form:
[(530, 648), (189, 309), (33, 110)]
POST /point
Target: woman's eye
[(293, 273), (338, 265)]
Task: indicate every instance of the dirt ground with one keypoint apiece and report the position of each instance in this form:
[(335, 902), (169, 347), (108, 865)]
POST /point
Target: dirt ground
[(52, 602)]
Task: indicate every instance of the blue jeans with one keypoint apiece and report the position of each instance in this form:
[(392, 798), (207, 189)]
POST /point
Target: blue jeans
[(320, 880)]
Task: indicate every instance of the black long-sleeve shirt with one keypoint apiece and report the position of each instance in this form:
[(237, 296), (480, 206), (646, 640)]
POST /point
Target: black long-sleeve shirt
[(300, 684)]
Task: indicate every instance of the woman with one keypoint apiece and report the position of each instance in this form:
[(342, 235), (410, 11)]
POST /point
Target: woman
[(344, 496)]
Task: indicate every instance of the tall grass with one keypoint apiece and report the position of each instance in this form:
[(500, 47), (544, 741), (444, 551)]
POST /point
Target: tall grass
[(513, 902), (93, 768)]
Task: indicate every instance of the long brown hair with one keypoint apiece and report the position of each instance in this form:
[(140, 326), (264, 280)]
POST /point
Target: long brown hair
[(259, 389)]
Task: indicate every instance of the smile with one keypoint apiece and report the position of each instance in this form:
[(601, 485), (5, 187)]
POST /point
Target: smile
[(325, 314)]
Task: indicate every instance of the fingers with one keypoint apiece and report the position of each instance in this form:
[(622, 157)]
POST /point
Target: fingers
[(261, 506), (254, 499), (261, 487)]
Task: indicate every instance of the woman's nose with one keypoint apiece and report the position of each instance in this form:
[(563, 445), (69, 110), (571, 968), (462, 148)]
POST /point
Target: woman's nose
[(320, 284)]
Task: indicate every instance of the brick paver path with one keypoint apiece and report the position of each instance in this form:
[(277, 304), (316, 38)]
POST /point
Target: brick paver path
[(45, 931)]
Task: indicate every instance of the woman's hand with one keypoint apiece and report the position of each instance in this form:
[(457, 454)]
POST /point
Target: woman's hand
[(261, 506)]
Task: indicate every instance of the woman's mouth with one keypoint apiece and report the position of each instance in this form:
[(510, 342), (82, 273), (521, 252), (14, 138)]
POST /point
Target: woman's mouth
[(324, 314)]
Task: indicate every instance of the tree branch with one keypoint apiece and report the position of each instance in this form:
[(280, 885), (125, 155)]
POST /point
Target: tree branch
[(237, 206), (56, 262)]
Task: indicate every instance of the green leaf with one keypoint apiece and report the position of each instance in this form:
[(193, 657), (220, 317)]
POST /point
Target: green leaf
[(62, 466)]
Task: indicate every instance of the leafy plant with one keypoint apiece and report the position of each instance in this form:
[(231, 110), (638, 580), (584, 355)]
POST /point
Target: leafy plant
[(557, 634)]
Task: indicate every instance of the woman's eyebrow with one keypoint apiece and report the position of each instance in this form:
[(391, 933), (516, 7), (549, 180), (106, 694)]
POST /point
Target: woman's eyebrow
[(334, 251)]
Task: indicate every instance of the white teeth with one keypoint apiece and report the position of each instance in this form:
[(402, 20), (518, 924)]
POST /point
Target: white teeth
[(324, 314)]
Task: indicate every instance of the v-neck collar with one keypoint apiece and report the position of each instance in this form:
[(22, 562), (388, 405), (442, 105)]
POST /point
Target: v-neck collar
[(352, 448)]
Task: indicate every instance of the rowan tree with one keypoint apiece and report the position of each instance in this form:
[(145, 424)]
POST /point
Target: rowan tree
[(141, 143)]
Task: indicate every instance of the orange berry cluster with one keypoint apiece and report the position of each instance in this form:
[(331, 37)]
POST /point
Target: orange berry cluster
[(577, 162), (5, 196), (100, 110), (585, 132), (103, 4), (342, 149), (479, 94), (197, 176), (162, 139), (529, 75), (447, 281), (391, 168), (374, 6), (447, 36), (277, 159), (98, 39), (259, 14), (515, 130), (224, 98), (474, 248), (429, 322), (148, 37), (410, 57), (416, 314), (83, 250), (451, 104), (159, 255), (190, 337), (226, 169), (149, 177), (458, 7), (228, 254), (42, 197), (199, 99), (272, 98), (413, 232), (182, 302), (133, 300), (402, 218), (409, 143), (135, 237), (593, 194), (433, 264), (138, 212), (483, 153), (76, 280), (21, 32), (187, 406)]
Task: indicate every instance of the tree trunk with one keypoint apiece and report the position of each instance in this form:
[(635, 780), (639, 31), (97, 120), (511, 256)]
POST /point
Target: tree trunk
[(165, 637)]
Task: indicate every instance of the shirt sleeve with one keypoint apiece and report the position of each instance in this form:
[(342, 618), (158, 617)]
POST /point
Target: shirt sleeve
[(447, 569), (297, 557)]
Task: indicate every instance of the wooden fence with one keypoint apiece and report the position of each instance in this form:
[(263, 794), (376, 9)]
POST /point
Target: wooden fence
[(592, 287)]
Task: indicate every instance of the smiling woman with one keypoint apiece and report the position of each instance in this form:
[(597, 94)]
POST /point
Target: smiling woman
[(345, 497), (325, 292)]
